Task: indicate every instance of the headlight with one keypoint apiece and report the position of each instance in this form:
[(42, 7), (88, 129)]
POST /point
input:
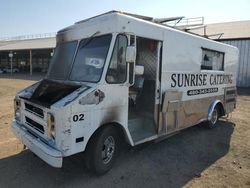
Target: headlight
[(17, 113), (51, 125)]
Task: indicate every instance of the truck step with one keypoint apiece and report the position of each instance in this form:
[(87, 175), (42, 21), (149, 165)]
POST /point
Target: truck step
[(142, 129)]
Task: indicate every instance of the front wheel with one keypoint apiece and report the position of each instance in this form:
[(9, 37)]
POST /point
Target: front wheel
[(214, 119), (101, 151)]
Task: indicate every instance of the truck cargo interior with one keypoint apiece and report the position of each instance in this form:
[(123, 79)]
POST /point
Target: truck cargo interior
[(142, 93)]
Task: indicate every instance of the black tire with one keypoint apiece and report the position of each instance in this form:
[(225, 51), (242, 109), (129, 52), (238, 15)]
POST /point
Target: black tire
[(214, 119), (102, 150)]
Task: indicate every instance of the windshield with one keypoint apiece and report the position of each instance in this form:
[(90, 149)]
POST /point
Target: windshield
[(90, 59), (61, 60)]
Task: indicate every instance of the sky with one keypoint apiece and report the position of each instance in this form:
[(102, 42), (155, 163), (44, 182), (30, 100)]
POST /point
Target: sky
[(26, 17)]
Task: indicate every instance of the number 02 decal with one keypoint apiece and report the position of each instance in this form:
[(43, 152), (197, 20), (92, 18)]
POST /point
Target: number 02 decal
[(79, 117)]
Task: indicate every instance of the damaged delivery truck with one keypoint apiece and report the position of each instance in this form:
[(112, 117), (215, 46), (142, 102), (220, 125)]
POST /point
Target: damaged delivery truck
[(122, 77)]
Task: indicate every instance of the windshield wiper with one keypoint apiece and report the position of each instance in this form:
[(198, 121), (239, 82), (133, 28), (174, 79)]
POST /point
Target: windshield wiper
[(89, 39)]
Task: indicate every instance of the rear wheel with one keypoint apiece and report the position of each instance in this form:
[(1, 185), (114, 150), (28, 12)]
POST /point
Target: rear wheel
[(102, 149), (214, 118)]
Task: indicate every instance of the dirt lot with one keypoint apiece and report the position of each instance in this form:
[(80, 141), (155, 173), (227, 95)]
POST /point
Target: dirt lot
[(196, 157)]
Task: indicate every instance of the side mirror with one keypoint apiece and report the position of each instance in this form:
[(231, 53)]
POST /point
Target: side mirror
[(139, 69), (130, 54)]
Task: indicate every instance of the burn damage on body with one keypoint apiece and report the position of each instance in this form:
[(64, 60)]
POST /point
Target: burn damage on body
[(49, 92), (94, 97), (75, 95)]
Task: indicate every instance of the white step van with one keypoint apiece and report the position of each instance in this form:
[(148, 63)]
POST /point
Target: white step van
[(122, 77)]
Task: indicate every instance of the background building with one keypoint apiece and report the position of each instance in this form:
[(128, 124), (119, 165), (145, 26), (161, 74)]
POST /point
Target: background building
[(30, 53)]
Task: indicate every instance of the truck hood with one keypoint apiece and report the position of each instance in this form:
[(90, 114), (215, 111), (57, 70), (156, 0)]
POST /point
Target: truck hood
[(48, 92)]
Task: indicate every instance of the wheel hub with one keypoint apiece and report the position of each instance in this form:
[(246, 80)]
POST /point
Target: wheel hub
[(108, 149), (214, 116)]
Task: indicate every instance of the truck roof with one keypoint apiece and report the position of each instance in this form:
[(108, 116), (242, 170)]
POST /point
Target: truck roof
[(141, 17), (118, 17)]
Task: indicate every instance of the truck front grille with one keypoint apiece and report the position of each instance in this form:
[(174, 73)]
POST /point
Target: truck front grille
[(34, 110), (34, 125)]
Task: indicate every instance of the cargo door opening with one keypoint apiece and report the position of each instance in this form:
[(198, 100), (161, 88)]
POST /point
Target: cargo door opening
[(141, 109)]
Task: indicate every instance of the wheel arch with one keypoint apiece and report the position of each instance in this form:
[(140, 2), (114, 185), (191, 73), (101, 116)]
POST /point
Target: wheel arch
[(120, 129), (216, 103)]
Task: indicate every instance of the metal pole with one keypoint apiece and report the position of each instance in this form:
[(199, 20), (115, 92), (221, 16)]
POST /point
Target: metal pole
[(11, 62), (31, 62), (11, 65)]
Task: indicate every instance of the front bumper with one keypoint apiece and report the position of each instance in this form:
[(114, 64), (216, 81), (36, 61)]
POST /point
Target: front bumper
[(50, 155)]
